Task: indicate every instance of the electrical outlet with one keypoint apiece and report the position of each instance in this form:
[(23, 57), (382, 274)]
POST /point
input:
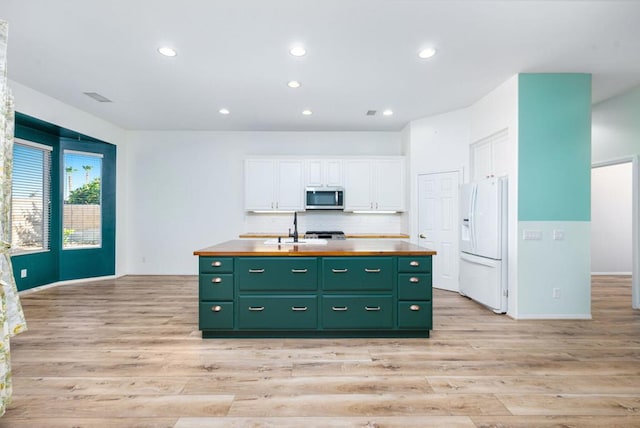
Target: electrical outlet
[(23, 273), (558, 235), (556, 293)]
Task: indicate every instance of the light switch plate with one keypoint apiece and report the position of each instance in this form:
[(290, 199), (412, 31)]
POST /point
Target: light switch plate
[(532, 235), (558, 235)]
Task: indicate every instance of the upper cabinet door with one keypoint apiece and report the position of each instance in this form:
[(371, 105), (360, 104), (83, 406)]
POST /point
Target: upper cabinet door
[(389, 185), (259, 184), (290, 188), (358, 185), (489, 156), (333, 175)]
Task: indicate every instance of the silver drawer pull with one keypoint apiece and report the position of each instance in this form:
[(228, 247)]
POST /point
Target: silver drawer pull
[(340, 308), (216, 308), (298, 270), (414, 279), (414, 307), (372, 308), (339, 270), (299, 308), (256, 270), (372, 270), (414, 263), (256, 308), (217, 263), (216, 280)]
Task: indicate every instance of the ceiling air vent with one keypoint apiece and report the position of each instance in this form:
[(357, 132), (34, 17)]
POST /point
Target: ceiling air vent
[(96, 96), (371, 112)]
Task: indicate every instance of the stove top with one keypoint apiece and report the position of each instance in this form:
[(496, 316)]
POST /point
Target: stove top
[(324, 234)]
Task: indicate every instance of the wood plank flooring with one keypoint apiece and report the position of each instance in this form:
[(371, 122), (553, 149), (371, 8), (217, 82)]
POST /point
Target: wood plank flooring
[(128, 353)]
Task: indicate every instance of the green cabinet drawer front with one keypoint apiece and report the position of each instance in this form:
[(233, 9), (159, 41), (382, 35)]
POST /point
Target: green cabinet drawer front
[(216, 286), (414, 286), (357, 273), (216, 315), (414, 264), (277, 273), (216, 264), (356, 312), (282, 312), (415, 314)]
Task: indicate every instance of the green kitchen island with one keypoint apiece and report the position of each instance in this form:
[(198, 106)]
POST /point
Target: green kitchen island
[(339, 288)]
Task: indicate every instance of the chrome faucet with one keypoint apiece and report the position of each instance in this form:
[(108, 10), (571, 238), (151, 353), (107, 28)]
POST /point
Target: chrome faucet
[(294, 235)]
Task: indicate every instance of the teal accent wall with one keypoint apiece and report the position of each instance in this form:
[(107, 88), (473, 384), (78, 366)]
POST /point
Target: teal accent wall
[(554, 147), (57, 264)]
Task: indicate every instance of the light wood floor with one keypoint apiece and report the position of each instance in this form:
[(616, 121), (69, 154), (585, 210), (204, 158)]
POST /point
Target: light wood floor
[(127, 352)]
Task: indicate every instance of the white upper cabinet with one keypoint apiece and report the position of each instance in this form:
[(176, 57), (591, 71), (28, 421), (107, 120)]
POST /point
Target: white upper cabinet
[(374, 184), (324, 173), (274, 185), (489, 157)]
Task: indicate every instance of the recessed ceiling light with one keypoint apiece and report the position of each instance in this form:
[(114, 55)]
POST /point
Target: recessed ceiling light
[(224, 111), (297, 51), (294, 84), (167, 51), (387, 113), (427, 53), (307, 112)]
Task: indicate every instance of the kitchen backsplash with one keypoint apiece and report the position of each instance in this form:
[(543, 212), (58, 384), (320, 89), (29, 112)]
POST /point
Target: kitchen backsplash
[(329, 220)]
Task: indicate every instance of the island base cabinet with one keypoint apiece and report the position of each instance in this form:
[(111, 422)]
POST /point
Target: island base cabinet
[(416, 315), (216, 315), (269, 312), (357, 312)]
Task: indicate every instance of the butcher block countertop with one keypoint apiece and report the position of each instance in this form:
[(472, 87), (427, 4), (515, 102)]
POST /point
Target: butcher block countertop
[(348, 247), (258, 235)]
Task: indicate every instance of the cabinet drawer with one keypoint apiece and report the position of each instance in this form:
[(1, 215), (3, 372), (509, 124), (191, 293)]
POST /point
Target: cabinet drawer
[(414, 286), (216, 264), (415, 314), (355, 312), (357, 273), (216, 286), (277, 273), (282, 312), (216, 315), (414, 264)]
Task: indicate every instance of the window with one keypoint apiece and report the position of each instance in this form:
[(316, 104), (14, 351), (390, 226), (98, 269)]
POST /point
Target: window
[(31, 197), (82, 213)]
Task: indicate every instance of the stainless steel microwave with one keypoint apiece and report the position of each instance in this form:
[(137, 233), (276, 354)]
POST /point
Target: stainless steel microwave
[(324, 198)]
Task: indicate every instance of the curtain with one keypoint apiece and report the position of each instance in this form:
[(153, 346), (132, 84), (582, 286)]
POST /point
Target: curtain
[(12, 319)]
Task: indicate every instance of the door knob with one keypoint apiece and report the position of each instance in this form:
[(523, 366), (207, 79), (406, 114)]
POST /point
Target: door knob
[(423, 236)]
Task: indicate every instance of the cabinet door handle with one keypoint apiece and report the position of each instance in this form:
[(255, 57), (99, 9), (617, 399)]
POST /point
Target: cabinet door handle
[(216, 280), (256, 308), (372, 308), (423, 236), (298, 270), (414, 279), (340, 308), (256, 270), (414, 263), (299, 308), (414, 307), (372, 270), (339, 270), (216, 308), (217, 263)]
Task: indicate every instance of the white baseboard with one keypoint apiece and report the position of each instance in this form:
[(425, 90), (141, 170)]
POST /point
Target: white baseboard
[(68, 282), (554, 317), (611, 273)]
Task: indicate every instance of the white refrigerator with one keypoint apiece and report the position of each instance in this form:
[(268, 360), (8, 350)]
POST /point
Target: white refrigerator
[(483, 242)]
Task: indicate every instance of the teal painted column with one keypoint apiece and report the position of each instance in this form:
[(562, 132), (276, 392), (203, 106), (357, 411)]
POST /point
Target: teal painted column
[(554, 195)]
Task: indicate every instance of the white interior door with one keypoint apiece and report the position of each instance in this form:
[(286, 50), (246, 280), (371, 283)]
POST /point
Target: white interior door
[(438, 225)]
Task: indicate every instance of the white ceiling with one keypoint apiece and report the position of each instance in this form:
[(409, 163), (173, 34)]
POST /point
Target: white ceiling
[(361, 55)]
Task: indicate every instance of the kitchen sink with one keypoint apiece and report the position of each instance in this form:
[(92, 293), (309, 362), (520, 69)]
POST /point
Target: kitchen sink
[(289, 241)]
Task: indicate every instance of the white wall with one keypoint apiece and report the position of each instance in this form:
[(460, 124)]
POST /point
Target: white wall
[(49, 109), (186, 189), (437, 144), (611, 219)]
